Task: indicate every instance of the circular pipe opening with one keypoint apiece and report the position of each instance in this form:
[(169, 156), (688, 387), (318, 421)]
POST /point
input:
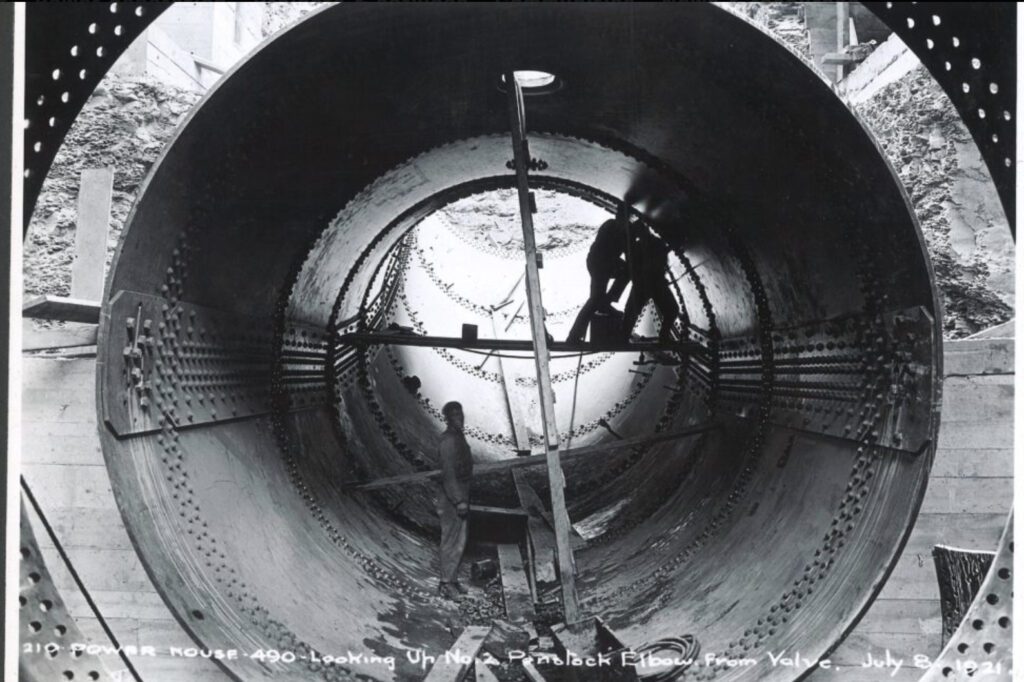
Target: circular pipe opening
[(534, 82), (798, 267)]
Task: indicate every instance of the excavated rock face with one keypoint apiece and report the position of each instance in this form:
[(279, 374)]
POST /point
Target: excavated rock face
[(784, 20), (124, 125), (968, 238), (279, 15)]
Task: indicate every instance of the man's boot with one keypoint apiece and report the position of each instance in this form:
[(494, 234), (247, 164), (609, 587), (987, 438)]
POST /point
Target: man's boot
[(448, 591), (460, 588)]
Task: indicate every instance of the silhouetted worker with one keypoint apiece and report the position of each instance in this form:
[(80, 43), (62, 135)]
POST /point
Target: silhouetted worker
[(453, 498), (648, 262), (605, 264)]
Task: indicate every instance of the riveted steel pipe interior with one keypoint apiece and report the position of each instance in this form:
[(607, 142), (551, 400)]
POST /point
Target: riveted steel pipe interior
[(290, 208)]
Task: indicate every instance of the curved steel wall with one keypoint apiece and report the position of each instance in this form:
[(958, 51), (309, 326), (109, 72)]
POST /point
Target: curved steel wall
[(266, 217)]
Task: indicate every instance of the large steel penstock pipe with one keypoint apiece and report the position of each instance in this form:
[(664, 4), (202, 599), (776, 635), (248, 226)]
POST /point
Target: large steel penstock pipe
[(290, 209)]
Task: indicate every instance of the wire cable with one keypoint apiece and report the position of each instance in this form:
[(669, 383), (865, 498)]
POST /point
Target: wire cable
[(684, 650), (575, 388)]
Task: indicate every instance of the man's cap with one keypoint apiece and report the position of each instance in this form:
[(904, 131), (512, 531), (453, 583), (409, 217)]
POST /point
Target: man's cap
[(450, 407)]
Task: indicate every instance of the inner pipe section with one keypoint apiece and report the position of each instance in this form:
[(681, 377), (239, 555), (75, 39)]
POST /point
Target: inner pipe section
[(295, 204)]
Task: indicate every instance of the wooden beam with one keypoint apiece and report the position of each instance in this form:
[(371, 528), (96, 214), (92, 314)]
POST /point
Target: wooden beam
[(513, 399), (842, 58), (91, 226), (453, 667), (482, 468), (482, 673), (842, 16), (51, 339), (208, 65), (514, 587), (521, 158), (64, 309), (538, 533), (845, 440), (525, 345), (531, 671), (500, 511)]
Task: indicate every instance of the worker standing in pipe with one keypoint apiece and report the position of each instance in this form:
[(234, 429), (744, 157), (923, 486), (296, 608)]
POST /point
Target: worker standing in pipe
[(648, 262), (605, 263), (453, 498)]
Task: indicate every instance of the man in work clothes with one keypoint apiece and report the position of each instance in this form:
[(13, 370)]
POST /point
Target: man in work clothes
[(453, 498), (648, 264), (605, 264)]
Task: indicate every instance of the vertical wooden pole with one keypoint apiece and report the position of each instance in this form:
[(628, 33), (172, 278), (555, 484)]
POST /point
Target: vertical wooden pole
[(91, 226), (556, 478), (842, 19)]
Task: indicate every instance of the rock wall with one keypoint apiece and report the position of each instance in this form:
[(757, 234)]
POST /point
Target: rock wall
[(125, 125), (966, 231), (784, 20), (278, 15), (964, 226)]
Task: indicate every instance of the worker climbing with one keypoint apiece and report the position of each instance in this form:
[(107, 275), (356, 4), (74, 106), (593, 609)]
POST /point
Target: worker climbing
[(605, 263), (452, 499), (647, 263)]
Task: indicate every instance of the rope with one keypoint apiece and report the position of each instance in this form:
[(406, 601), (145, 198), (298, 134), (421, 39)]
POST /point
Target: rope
[(686, 649), (78, 581), (496, 354)]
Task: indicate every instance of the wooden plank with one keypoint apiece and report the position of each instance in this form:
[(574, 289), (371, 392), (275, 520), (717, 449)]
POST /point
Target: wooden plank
[(1006, 330), (855, 649), (518, 602), (965, 358), (903, 616), (80, 528), (969, 531), (523, 345), (859, 674), (44, 443), (531, 671), (955, 435), (100, 569), (576, 539), (539, 534), (978, 463), (607, 638), (968, 495), (914, 576), (500, 511), (70, 486), (535, 460), (482, 672), (49, 339), (57, 308), (978, 399), (163, 633), (842, 14), (513, 399), (68, 405), (91, 226), (142, 606), (455, 663)]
